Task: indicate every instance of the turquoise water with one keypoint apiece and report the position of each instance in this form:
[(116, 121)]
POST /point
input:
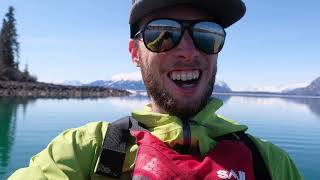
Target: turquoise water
[(27, 126)]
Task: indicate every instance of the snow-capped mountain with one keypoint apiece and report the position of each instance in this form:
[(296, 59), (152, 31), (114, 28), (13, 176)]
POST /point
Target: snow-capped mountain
[(135, 76), (221, 86), (308, 89), (121, 84), (312, 89), (133, 81), (130, 81), (283, 88)]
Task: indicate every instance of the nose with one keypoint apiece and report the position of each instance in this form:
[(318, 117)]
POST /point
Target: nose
[(186, 49)]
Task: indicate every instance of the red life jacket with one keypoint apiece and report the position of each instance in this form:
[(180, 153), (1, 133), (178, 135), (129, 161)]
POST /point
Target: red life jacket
[(155, 160), (232, 158)]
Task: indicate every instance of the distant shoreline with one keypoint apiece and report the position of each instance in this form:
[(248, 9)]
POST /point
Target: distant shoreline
[(265, 94), (244, 93), (47, 90)]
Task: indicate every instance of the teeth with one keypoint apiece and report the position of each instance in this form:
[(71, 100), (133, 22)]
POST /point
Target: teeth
[(190, 75), (174, 76), (196, 74), (178, 76), (184, 75)]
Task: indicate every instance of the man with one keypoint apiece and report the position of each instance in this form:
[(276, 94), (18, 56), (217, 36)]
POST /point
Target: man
[(182, 137)]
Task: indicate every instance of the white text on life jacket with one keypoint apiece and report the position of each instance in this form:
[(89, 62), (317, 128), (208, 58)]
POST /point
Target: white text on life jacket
[(223, 174)]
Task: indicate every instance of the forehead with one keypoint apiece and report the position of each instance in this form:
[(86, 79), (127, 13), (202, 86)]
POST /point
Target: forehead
[(185, 12)]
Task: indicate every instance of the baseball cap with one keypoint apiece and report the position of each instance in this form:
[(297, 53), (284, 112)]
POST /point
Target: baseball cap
[(226, 12)]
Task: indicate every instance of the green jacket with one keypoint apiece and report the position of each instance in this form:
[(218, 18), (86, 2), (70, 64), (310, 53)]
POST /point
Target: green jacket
[(75, 152)]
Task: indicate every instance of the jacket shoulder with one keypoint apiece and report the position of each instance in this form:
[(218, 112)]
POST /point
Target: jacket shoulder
[(278, 162), (72, 154)]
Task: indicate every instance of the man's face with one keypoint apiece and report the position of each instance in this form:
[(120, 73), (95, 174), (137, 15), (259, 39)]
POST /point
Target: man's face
[(176, 97)]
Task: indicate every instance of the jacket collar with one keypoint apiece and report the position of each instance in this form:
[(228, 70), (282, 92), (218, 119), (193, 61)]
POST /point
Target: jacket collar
[(205, 126)]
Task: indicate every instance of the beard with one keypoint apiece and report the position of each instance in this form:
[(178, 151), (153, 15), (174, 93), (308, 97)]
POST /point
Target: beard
[(167, 102)]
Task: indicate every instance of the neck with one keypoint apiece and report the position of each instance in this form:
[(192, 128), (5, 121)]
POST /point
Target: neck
[(156, 108)]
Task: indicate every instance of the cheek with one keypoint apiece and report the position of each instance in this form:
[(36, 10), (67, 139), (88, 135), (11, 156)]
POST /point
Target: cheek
[(149, 63), (153, 61), (209, 61), (143, 57), (213, 62)]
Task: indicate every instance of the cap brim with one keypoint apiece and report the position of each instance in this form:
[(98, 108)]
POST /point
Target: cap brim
[(226, 12)]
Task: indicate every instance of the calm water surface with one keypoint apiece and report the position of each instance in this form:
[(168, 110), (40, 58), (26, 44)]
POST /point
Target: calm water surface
[(27, 126)]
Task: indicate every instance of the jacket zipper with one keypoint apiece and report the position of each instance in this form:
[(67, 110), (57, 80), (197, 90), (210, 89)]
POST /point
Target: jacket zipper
[(186, 133)]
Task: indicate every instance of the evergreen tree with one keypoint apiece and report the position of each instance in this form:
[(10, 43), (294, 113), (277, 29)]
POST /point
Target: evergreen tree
[(10, 44), (9, 47), (9, 51)]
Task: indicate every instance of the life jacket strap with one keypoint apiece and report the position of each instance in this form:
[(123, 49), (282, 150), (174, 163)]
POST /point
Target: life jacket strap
[(114, 146), (260, 168)]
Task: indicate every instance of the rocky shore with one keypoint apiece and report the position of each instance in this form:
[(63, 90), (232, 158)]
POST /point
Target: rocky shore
[(46, 90)]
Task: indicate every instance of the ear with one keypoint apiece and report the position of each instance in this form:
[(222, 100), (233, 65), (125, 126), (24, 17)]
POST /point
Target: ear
[(133, 49)]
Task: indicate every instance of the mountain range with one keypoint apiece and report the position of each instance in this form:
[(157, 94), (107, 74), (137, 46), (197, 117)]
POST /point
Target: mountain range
[(135, 83), (312, 89), (119, 84), (220, 86)]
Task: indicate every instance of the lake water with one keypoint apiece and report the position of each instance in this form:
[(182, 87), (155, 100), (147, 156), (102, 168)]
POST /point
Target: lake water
[(27, 126)]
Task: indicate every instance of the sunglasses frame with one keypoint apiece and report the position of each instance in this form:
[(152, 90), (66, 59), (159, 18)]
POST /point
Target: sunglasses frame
[(185, 25)]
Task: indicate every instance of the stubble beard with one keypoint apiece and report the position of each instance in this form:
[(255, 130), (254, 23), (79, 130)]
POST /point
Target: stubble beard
[(166, 101)]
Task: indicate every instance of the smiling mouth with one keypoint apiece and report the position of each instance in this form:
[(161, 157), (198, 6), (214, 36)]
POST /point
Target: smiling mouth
[(185, 78)]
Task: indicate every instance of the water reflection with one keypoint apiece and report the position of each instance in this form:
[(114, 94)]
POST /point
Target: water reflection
[(138, 102), (75, 113), (312, 103), (224, 98), (129, 103), (304, 104), (8, 118)]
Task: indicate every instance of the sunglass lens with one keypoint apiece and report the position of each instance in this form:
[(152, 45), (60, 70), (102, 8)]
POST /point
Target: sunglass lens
[(161, 35), (209, 37)]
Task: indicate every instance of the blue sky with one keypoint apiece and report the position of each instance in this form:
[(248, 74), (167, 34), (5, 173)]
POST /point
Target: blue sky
[(277, 42)]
